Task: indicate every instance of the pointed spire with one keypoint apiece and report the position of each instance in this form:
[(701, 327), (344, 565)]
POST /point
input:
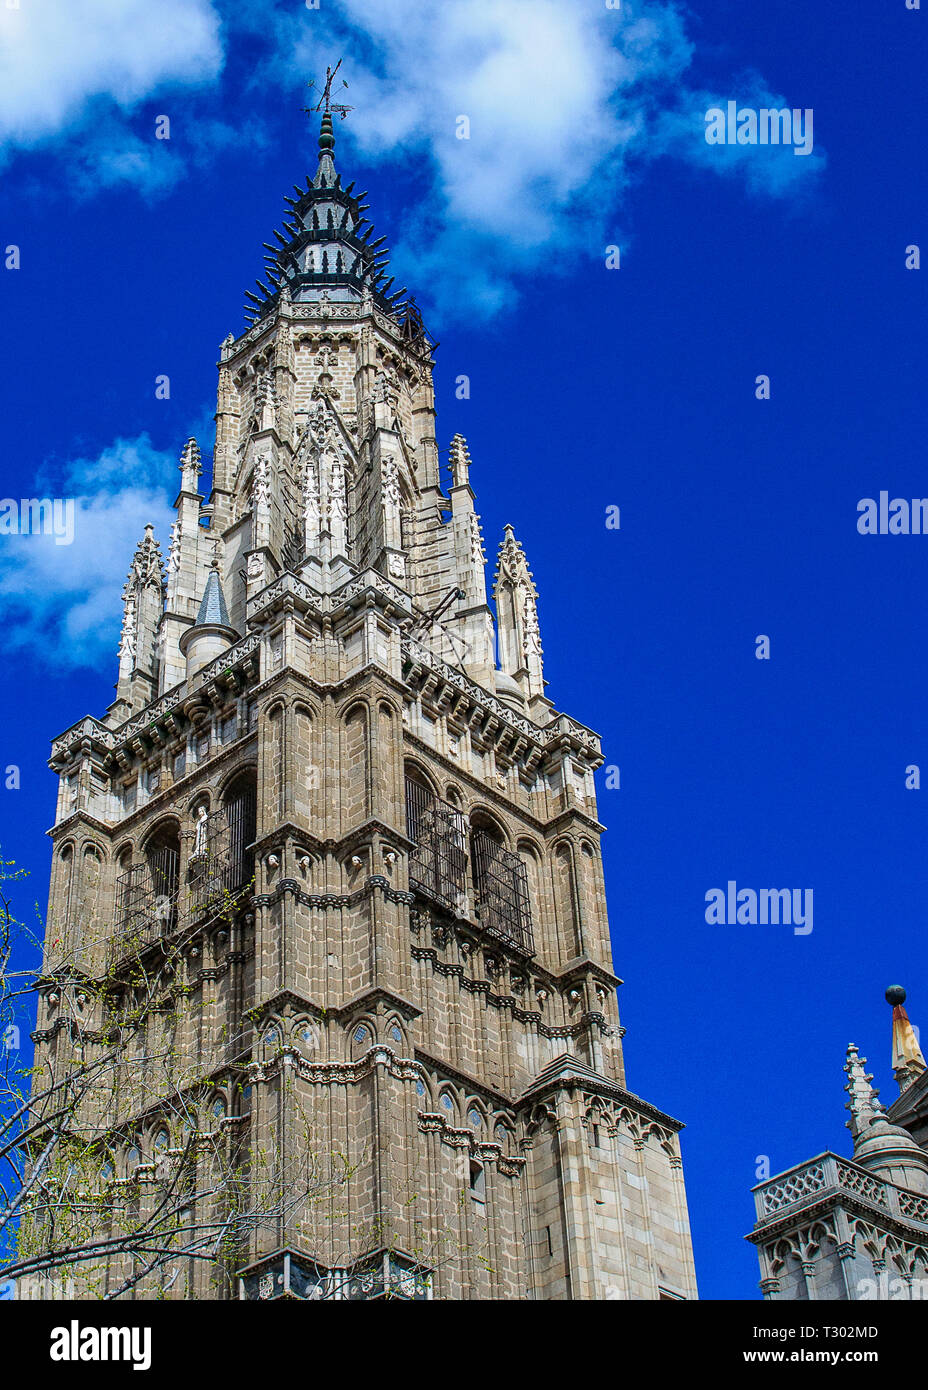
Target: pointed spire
[(212, 633), (325, 172), (516, 598), (460, 462), (213, 611), (863, 1104), (322, 244), (190, 466), (908, 1061)]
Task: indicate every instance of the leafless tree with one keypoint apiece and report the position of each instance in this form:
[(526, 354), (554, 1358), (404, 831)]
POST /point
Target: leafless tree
[(78, 1221)]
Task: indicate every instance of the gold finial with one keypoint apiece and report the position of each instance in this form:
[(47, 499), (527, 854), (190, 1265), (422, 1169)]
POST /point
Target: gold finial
[(908, 1061)]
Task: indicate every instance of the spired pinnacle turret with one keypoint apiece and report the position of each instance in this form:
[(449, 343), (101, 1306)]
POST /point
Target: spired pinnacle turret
[(357, 858), (863, 1104), (325, 250)]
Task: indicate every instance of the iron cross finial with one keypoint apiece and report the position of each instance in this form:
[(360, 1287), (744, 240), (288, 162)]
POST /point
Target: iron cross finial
[(325, 102)]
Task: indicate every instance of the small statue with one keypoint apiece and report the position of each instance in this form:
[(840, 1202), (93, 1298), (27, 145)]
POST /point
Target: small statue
[(199, 842)]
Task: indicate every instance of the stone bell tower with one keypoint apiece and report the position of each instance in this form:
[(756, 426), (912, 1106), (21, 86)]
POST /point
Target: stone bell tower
[(404, 1014)]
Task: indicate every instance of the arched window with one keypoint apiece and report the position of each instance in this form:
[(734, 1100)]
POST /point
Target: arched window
[(162, 866), (438, 866), (419, 799), (500, 885), (240, 804), (65, 884)]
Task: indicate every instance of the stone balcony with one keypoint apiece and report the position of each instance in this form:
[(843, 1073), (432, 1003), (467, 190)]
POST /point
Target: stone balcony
[(792, 1195)]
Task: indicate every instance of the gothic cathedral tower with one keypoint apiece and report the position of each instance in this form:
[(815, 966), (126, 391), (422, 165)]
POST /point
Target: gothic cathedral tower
[(338, 852)]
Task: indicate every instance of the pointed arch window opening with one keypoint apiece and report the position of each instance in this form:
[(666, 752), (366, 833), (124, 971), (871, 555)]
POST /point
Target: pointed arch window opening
[(438, 867), (222, 860), (500, 889), (147, 893), (66, 868)]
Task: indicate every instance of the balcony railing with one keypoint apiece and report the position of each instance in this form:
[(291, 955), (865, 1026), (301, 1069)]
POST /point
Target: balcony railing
[(830, 1175)]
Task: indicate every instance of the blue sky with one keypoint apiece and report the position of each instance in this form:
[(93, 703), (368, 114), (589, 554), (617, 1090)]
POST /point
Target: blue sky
[(589, 388)]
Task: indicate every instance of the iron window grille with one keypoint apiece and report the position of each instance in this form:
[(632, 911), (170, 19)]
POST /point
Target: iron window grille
[(438, 865), (146, 900), (501, 891), (221, 855), (438, 868)]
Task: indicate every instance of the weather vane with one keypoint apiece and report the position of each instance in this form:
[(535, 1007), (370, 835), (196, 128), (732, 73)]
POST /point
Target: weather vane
[(325, 102)]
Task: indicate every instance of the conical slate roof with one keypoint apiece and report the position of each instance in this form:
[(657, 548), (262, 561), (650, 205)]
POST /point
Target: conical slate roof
[(213, 610)]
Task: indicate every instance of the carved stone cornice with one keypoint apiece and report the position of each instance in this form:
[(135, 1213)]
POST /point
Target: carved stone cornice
[(235, 668), (575, 1075), (433, 1122), (64, 827), (335, 1073), (531, 743), (373, 883)]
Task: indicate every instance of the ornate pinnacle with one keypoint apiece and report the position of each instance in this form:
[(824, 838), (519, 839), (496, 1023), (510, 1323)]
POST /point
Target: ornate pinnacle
[(190, 462), (863, 1104), (511, 561), (460, 461), (147, 566)]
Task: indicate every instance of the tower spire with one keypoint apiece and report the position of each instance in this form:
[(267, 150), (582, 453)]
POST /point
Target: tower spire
[(325, 174), (908, 1060), (325, 170), (327, 251)]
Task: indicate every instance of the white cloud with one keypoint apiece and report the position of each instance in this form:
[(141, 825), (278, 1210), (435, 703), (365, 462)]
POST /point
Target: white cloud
[(566, 101), (72, 72), (56, 56), (62, 602)]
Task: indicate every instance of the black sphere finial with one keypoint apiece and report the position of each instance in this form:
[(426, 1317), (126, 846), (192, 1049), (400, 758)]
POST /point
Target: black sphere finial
[(895, 995)]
